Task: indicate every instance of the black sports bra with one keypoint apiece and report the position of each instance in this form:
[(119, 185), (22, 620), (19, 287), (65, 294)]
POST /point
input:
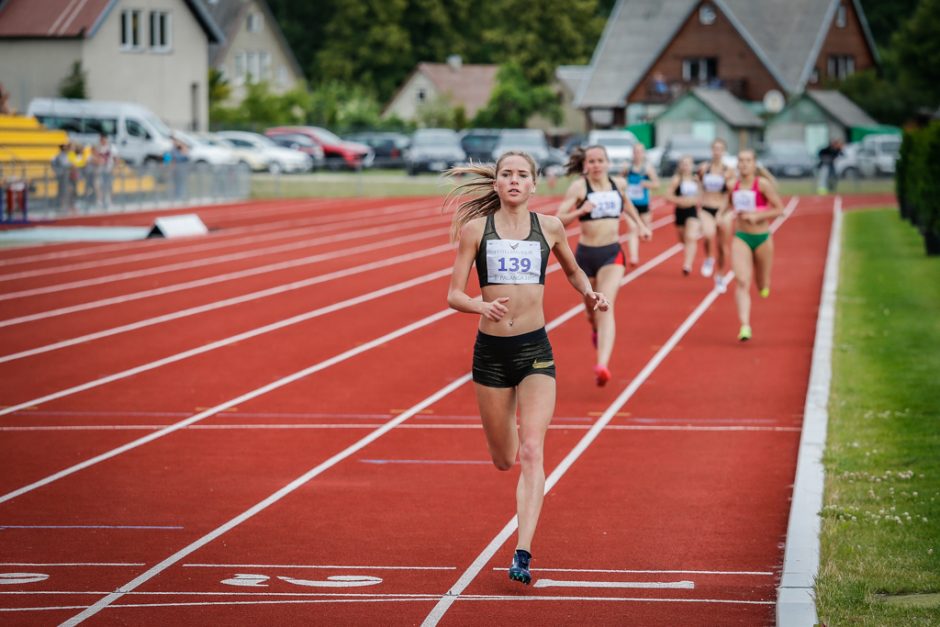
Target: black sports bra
[(512, 262), (607, 204)]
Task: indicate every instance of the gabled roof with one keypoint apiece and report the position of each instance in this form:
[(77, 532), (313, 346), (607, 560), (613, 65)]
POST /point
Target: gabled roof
[(230, 15), (80, 19), (840, 108), (572, 76), (729, 108), (467, 84), (786, 35)]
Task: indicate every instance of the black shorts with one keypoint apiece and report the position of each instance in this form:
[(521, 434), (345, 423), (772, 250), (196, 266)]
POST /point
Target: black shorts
[(711, 210), (683, 214), (593, 258), (503, 362), (641, 209)]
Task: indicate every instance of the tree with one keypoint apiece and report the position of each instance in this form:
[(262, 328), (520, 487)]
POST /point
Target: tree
[(514, 100), (885, 16), (917, 45), (73, 85)]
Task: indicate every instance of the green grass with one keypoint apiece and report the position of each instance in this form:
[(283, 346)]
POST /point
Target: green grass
[(881, 519), (375, 183)]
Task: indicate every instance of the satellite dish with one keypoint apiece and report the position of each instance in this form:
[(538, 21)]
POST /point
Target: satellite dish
[(774, 101)]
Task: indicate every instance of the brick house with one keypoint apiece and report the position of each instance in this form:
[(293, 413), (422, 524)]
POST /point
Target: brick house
[(652, 51)]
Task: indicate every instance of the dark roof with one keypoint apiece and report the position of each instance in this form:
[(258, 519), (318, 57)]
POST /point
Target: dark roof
[(58, 19), (729, 108), (786, 35), (230, 15), (840, 108)]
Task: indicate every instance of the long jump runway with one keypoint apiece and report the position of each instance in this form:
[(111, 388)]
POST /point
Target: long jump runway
[(273, 424)]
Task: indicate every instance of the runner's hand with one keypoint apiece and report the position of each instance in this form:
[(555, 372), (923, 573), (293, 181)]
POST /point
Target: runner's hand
[(496, 309), (646, 234), (599, 300)]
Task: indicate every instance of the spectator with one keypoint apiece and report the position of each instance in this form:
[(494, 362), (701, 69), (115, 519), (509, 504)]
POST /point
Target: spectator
[(61, 167), (105, 157), (5, 108), (827, 166), (78, 159), (178, 162)]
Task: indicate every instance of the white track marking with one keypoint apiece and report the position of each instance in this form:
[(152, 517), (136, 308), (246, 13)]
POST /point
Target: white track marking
[(56, 564), (643, 585), (219, 259), (554, 427), (753, 573), (320, 566), (237, 300), (437, 613)]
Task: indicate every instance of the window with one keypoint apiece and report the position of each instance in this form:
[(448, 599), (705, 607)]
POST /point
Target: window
[(136, 129), (241, 66), (265, 73), (707, 15), (107, 126), (699, 69), (841, 66), (255, 22), (814, 77), (160, 34), (254, 66), (841, 19), (131, 27), (283, 78), (422, 94)]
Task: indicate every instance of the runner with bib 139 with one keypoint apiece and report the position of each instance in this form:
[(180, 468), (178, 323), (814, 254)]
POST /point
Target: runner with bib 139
[(756, 203)]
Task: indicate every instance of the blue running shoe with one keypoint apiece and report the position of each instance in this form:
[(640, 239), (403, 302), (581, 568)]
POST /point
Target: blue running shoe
[(519, 571)]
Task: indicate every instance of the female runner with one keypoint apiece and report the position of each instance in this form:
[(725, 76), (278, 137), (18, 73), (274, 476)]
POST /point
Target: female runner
[(599, 202), (686, 194), (513, 365), (641, 180), (756, 203), (714, 176)]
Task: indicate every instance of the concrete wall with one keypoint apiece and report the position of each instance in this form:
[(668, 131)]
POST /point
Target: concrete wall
[(34, 68)]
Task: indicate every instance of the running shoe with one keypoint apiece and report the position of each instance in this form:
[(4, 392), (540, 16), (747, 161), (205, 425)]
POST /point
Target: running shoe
[(519, 571), (765, 292), (708, 267), (686, 270), (594, 338), (745, 333), (602, 374), (720, 284)]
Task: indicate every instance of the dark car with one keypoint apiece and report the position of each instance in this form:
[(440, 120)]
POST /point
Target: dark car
[(681, 145), (531, 141), (303, 144), (338, 154), (787, 159), (389, 147), (434, 150), (478, 143)]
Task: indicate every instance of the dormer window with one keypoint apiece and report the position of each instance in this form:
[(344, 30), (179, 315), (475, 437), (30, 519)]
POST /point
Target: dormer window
[(255, 22), (707, 15), (841, 18)]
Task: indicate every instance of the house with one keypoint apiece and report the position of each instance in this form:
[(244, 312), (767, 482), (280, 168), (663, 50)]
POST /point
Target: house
[(568, 79), (652, 51), (456, 83), (254, 48), (709, 114), (815, 118), (154, 53)]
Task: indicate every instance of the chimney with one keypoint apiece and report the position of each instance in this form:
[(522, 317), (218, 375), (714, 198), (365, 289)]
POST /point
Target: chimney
[(455, 62)]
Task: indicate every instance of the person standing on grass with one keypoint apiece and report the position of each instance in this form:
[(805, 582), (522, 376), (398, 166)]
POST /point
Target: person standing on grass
[(513, 364), (716, 235), (599, 202), (755, 204), (641, 180), (686, 194)]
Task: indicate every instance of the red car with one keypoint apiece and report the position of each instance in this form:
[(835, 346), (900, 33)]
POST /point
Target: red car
[(337, 153)]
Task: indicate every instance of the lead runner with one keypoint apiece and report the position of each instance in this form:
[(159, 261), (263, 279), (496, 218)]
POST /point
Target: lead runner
[(513, 365)]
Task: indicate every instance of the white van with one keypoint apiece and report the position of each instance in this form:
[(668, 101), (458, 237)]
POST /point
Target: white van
[(139, 135)]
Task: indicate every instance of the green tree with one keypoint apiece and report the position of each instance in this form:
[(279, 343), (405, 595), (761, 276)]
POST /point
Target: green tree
[(514, 100), (917, 45), (219, 89), (885, 17), (73, 85)]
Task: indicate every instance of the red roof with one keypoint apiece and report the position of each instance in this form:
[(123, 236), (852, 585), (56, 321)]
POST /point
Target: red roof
[(468, 85), (50, 18)]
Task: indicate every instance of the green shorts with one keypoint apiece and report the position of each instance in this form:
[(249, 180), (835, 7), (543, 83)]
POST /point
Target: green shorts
[(754, 240)]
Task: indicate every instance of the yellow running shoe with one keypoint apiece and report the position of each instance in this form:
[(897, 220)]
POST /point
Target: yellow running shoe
[(745, 333), (764, 293)]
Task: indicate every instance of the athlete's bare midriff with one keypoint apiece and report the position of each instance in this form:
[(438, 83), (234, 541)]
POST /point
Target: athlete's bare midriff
[(525, 309)]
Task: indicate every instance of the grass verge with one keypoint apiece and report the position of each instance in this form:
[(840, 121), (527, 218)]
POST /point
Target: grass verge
[(881, 518)]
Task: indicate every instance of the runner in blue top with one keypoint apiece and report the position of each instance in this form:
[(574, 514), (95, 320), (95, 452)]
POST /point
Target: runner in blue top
[(513, 365), (641, 180)]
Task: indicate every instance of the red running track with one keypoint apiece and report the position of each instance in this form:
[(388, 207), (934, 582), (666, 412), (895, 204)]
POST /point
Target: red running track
[(283, 460)]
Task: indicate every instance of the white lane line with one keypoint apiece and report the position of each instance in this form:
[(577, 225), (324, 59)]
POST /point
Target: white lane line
[(219, 259), (303, 479), (83, 564), (437, 613), (233, 339), (432, 462), (244, 298), (334, 425), (618, 571), (641, 585), (321, 566), (135, 527), (203, 247)]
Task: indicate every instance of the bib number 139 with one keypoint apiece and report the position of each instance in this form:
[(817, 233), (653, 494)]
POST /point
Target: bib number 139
[(514, 264)]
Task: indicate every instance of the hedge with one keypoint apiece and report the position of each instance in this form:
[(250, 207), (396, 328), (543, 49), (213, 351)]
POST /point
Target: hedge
[(917, 182)]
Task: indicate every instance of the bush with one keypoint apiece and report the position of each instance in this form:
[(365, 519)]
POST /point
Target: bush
[(918, 182)]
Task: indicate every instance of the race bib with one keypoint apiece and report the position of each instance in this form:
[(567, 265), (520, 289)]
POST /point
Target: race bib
[(744, 200), (606, 204), (513, 262), (713, 182), (688, 188), (636, 191)]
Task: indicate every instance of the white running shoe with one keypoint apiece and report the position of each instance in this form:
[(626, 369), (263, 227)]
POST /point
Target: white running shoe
[(720, 284), (708, 266)]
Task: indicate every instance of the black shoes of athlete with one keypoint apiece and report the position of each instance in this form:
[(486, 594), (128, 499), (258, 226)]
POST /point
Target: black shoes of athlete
[(519, 571)]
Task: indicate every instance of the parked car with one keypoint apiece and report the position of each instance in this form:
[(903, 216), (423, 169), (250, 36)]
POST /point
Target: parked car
[(619, 145), (434, 150), (788, 159), (245, 157), (878, 154), (303, 144), (202, 153), (846, 164), (479, 143), (337, 154), (388, 147), (137, 133), (679, 146), (279, 159), (527, 140)]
